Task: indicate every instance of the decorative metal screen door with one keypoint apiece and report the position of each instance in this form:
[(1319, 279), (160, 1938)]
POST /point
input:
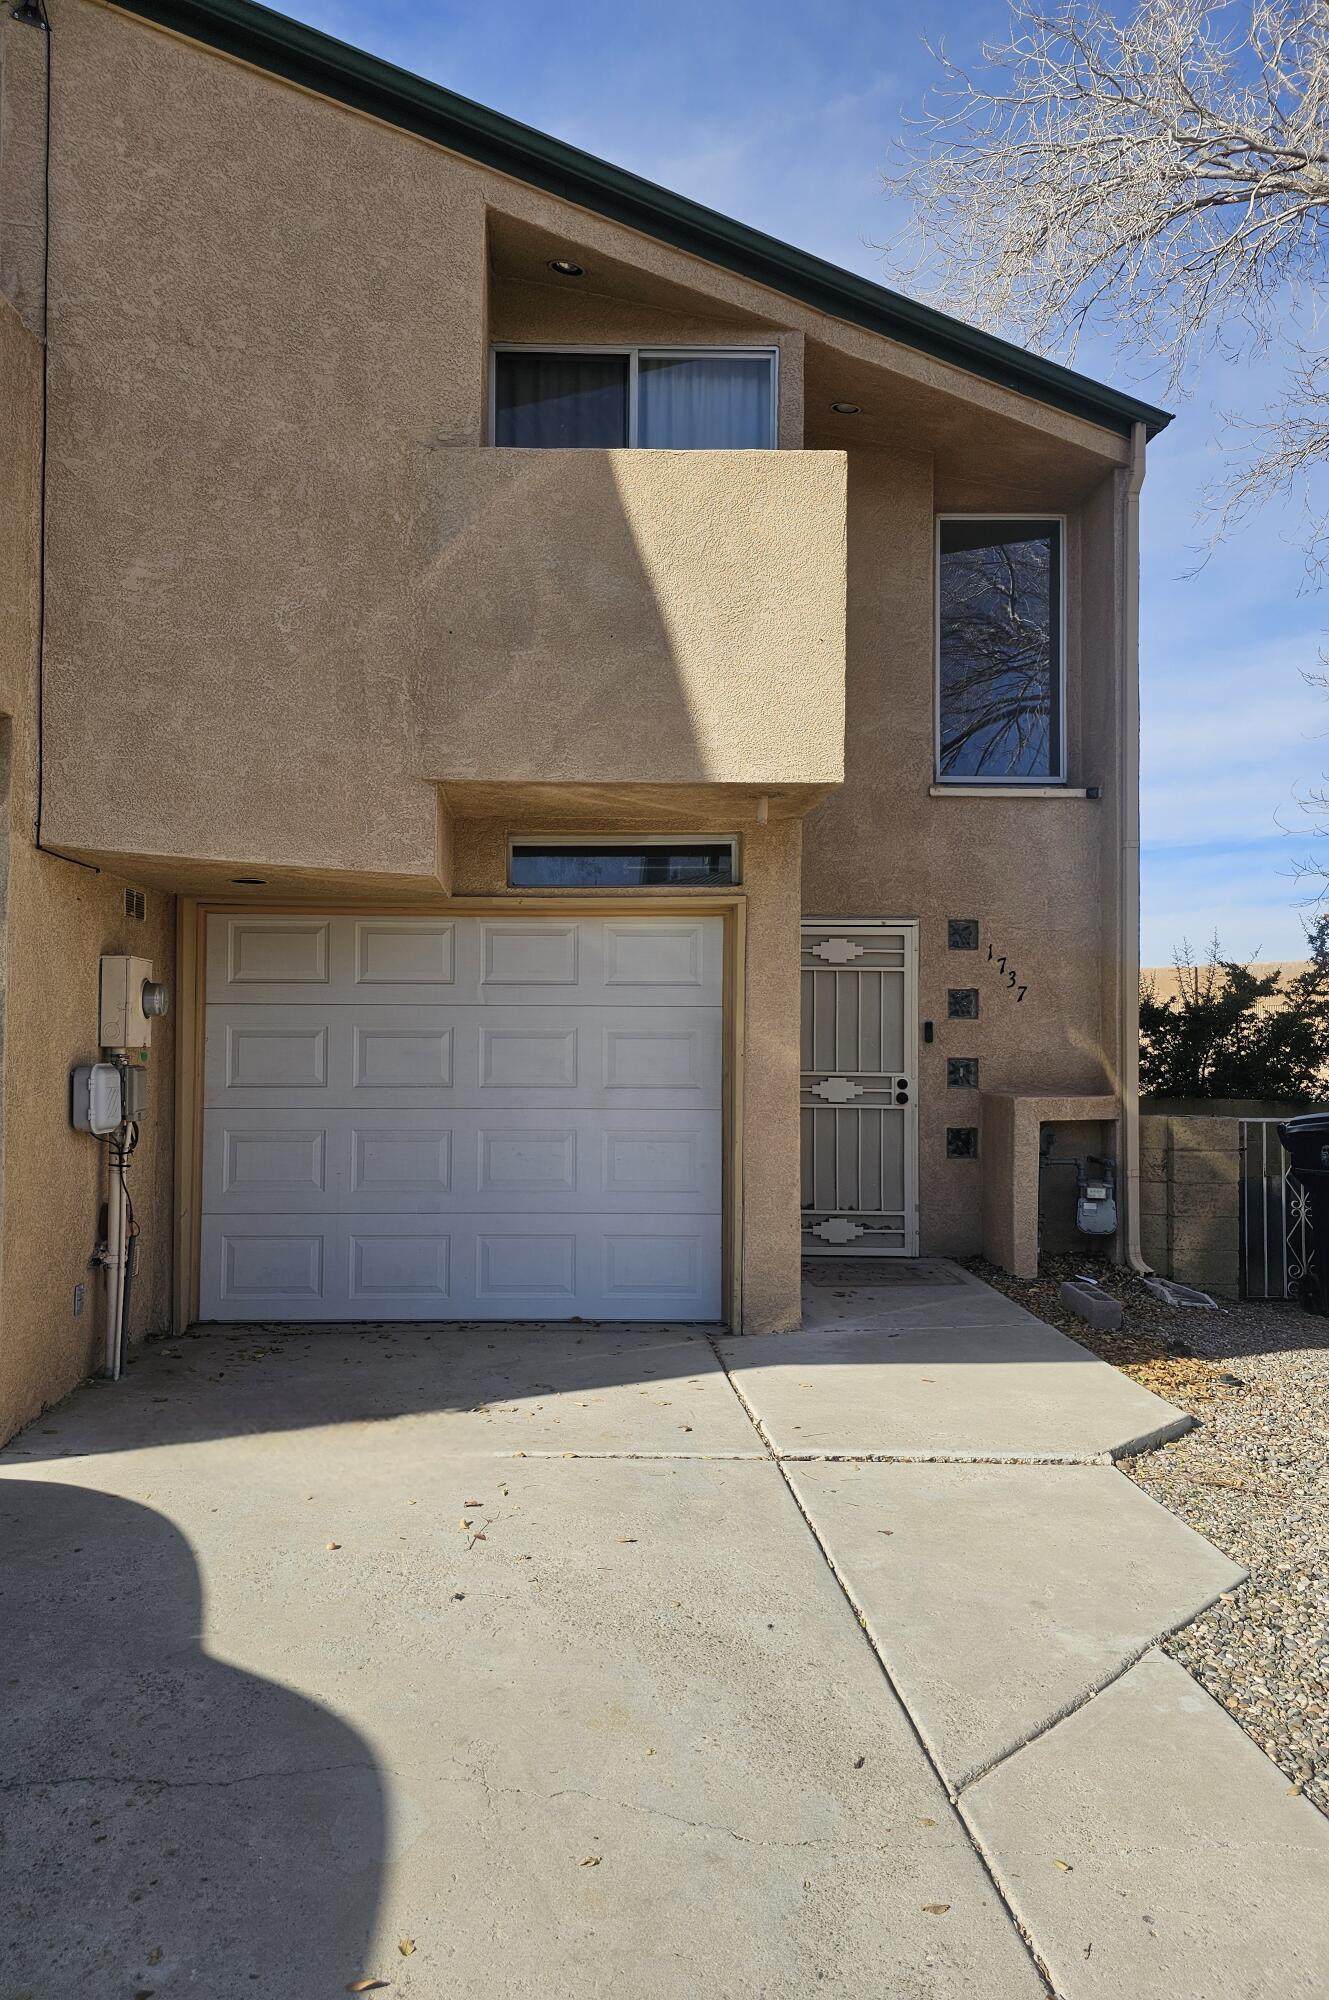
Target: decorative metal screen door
[(858, 1092)]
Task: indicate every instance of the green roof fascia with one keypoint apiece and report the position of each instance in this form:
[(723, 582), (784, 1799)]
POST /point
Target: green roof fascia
[(318, 62)]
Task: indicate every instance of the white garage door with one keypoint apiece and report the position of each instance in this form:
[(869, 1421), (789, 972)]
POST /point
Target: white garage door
[(462, 1118)]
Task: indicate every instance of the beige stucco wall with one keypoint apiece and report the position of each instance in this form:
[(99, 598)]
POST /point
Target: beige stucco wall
[(1036, 873), (277, 552), (56, 919), (575, 616)]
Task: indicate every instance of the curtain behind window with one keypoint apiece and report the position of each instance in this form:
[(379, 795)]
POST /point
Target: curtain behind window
[(553, 400), (704, 402)]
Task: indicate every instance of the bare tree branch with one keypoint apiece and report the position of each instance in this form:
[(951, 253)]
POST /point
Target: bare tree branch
[(1165, 177)]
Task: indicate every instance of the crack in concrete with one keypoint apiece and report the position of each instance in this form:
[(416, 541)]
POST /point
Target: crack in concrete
[(702, 1825), (184, 1784)]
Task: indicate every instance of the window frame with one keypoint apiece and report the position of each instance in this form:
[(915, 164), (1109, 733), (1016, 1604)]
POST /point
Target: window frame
[(653, 350), (1058, 776), (618, 839)]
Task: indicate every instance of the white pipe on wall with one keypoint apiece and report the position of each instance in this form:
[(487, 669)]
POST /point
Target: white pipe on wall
[(1128, 955)]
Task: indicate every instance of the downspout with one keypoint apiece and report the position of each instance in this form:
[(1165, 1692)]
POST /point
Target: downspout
[(1128, 954)]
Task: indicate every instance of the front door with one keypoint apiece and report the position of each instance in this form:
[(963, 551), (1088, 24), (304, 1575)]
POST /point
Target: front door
[(859, 1089)]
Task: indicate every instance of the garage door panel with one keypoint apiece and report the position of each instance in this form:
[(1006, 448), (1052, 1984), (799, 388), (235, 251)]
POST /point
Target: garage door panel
[(266, 1266), (429, 1118), (587, 1056), (282, 961), (461, 1267), (385, 961), (432, 1162), (674, 963)]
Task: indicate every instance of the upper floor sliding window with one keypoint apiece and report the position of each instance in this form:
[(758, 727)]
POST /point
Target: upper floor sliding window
[(662, 398), (1001, 683)]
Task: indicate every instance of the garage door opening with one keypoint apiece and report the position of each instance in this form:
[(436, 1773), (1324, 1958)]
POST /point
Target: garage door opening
[(441, 1118)]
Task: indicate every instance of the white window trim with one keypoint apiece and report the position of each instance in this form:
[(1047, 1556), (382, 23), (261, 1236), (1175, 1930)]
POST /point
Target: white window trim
[(651, 350), (616, 838), (969, 780)]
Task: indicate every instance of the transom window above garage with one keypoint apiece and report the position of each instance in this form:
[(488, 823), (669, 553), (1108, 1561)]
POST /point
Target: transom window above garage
[(651, 863), (663, 398)]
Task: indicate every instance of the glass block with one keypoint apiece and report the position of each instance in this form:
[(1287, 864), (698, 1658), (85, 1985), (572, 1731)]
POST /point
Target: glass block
[(962, 933), (962, 1003), (962, 1072), (962, 1142)]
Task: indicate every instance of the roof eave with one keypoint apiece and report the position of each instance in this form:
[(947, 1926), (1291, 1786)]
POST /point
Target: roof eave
[(334, 69)]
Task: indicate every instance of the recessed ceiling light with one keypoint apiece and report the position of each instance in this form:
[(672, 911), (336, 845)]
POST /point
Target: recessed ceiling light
[(249, 881), (566, 268), (847, 409)]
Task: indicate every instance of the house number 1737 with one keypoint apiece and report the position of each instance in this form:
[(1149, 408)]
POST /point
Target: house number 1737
[(1012, 978)]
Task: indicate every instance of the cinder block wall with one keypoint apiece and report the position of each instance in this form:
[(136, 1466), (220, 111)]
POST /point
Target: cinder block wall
[(1190, 1228)]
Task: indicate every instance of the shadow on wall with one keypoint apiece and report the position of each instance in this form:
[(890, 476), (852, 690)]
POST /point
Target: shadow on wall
[(203, 1817)]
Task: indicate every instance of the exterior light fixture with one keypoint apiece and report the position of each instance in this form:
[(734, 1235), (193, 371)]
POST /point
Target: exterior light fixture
[(566, 268), (846, 409)]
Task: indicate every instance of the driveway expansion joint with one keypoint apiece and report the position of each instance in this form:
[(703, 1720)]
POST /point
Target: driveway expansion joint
[(1070, 1708), (1003, 1897)]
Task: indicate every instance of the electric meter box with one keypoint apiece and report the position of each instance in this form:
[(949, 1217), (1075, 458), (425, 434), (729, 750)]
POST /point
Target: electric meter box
[(126, 984)]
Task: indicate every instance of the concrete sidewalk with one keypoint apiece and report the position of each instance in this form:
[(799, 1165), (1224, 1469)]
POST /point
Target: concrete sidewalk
[(571, 1661)]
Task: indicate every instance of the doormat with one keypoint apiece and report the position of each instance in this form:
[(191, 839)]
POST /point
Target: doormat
[(873, 1274)]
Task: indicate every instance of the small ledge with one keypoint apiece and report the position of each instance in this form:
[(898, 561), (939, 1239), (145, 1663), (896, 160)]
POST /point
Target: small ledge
[(1008, 792)]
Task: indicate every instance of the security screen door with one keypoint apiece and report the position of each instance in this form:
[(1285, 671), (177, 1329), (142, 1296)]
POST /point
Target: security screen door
[(858, 1089)]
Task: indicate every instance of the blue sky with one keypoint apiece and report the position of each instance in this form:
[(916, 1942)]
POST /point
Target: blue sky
[(783, 115)]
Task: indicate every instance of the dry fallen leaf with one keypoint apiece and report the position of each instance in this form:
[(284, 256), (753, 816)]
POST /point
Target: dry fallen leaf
[(367, 1986), (406, 1946), (589, 1861), (472, 1503), (1064, 1866), (334, 1545), (927, 1822), (1295, 1791), (936, 1909), (463, 1523)]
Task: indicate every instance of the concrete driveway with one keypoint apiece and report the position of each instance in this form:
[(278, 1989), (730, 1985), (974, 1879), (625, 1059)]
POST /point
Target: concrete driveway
[(555, 1661)]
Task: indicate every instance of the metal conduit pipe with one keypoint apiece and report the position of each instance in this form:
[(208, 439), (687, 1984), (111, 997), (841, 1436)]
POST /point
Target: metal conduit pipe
[(115, 1256)]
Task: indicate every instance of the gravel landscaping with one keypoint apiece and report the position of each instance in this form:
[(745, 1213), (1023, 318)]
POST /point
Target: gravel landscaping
[(1254, 1478)]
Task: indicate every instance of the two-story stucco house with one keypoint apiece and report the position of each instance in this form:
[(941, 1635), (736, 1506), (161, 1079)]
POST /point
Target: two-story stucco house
[(620, 737)]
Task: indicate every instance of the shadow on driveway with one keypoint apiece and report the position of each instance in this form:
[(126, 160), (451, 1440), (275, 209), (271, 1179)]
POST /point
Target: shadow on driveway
[(170, 1823)]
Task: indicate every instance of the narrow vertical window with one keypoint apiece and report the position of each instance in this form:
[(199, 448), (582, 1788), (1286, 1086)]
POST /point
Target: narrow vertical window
[(999, 651)]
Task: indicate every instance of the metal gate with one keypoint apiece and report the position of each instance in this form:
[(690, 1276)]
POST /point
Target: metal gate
[(1275, 1217), (858, 1089)]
